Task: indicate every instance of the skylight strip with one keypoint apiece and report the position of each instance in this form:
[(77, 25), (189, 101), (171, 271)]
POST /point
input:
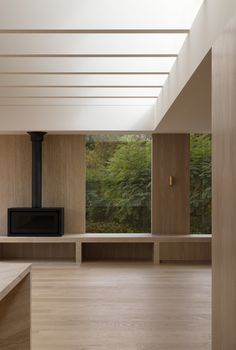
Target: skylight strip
[(91, 44), (79, 92), (128, 101), (87, 64), (98, 14), (91, 79)]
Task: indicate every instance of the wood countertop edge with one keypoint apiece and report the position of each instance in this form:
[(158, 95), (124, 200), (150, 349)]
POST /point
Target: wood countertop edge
[(22, 270)]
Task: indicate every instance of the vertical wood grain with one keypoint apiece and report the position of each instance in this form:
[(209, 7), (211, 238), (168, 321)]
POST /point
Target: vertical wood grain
[(38, 251), (78, 252), (170, 204), (185, 251), (156, 253), (64, 178), (224, 189), (15, 175)]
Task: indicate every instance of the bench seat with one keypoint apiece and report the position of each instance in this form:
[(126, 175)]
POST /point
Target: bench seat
[(77, 242)]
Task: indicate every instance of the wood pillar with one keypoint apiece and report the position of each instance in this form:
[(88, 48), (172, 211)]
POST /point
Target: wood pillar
[(224, 189), (170, 201)]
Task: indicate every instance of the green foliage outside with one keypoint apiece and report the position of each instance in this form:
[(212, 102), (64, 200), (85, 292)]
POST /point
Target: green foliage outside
[(119, 183), (200, 183)]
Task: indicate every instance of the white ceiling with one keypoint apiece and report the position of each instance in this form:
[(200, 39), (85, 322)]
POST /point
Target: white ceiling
[(96, 64)]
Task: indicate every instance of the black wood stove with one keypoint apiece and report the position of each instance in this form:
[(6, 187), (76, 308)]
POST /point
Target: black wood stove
[(36, 221)]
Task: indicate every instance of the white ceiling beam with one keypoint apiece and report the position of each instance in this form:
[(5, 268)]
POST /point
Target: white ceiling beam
[(161, 55), (76, 118), (83, 73), (94, 31), (80, 86)]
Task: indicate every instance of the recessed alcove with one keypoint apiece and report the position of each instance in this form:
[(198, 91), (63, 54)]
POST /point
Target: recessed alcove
[(38, 252), (117, 251)]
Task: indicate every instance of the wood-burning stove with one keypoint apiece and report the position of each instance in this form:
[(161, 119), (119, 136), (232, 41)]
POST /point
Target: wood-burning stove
[(36, 221)]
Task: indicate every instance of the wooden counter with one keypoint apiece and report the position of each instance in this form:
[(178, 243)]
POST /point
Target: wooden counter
[(15, 306)]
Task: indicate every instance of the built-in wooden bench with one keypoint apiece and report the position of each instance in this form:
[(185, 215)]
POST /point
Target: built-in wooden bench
[(80, 247)]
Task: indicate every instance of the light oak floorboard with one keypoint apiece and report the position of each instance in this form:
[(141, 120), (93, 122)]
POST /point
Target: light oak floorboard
[(121, 306)]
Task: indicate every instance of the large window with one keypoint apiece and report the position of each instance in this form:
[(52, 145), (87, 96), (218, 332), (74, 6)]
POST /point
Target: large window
[(118, 185), (200, 183)]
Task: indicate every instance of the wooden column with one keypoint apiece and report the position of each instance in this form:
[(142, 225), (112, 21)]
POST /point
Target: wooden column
[(170, 202), (224, 189)]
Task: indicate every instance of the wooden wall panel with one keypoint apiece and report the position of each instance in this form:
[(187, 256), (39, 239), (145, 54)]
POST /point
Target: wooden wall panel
[(170, 205), (192, 251), (15, 175), (224, 189), (60, 251), (64, 178)]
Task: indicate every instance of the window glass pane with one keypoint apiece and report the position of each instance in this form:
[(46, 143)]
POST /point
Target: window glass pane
[(200, 183), (118, 185)]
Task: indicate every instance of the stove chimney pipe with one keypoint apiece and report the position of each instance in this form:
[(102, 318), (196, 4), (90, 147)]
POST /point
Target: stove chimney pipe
[(36, 139)]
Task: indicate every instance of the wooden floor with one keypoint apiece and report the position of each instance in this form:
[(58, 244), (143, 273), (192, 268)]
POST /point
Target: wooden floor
[(121, 306)]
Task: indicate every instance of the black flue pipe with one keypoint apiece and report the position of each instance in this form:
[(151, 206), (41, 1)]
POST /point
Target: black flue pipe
[(37, 139)]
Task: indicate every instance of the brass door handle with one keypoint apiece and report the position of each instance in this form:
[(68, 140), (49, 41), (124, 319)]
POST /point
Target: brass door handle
[(171, 180)]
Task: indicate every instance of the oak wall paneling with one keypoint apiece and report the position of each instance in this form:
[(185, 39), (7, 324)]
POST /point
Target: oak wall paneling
[(224, 189), (63, 176), (15, 175), (37, 251), (187, 251), (170, 204)]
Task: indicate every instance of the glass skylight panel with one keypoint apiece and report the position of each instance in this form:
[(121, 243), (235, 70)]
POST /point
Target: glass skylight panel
[(84, 80), (98, 64), (113, 41), (99, 14), (77, 101), (91, 44), (79, 92)]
